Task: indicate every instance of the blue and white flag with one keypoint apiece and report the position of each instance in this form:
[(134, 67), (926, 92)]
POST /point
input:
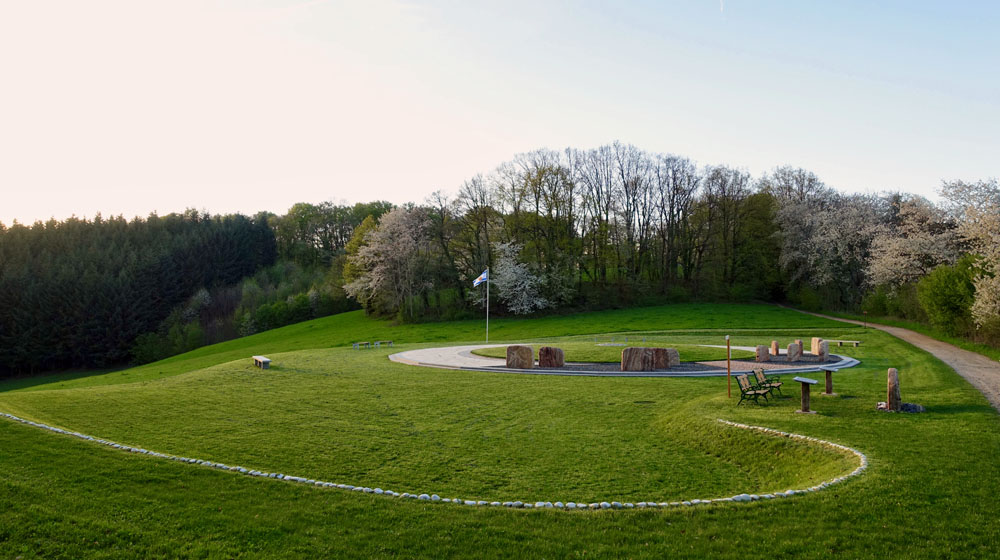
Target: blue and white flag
[(482, 278)]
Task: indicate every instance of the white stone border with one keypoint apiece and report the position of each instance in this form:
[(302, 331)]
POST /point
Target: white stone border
[(510, 504)]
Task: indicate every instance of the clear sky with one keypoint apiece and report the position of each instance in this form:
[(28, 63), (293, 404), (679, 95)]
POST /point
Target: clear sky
[(133, 106)]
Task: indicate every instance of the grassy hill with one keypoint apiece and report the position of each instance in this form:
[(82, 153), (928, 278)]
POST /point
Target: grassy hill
[(328, 412)]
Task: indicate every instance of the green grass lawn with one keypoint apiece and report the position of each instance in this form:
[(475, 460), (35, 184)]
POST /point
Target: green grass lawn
[(589, 351), (326, 411)]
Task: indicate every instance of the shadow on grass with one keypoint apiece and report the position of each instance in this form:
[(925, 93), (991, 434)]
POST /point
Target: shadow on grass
[(960, 408), (26, 382)]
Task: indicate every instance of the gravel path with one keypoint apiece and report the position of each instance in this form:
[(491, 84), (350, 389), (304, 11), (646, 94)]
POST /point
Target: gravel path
[(982, 372), (461, 357)]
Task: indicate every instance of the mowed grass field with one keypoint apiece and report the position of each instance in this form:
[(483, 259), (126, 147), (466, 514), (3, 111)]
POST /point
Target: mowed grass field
[(328, 412)]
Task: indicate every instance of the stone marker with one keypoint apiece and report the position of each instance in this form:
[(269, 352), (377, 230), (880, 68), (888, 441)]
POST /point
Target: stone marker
[(799, 342), (893, 400), (638, 359), (549, 356), (824, 350), (762, 354), (794, 352), (774, 348), (520, 357), (661, 359), (814, 349), (674, 357)]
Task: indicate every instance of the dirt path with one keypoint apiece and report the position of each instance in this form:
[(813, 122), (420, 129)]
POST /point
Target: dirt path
[(982, 372)]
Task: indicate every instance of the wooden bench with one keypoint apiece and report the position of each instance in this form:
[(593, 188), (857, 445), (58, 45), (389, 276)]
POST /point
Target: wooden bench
[(764, 382), (748, 391), (854, 343), (262, 362), (381, 342), (358, 345)]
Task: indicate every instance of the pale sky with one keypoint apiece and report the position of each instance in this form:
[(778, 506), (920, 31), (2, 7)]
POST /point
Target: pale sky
[(129, 107)]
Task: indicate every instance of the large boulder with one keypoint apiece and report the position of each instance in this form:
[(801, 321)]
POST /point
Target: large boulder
[(549, 356), (794, 352), (520, 357), (661, 359), (774, 348), (814, 349), (674, 357), (824, 351), (762, 354), (638, 359)]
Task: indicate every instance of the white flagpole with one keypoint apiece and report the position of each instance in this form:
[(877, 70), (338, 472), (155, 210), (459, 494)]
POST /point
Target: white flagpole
[(487, 305)]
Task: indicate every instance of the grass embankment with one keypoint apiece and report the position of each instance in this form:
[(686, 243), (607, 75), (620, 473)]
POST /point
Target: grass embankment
[(341, 330), (577, 350), (356, 418)]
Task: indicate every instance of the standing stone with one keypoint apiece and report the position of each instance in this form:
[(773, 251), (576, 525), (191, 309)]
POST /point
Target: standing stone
[(674, 357), (814, 350), (799, 342), (762, 354), (520, 357), (661, 360), (638, 359), (893, 401), (794, 351), (549, 356), (824, 350), (774, 348)]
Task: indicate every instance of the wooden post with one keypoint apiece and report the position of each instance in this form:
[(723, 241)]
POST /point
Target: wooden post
[(893, 401), (829, 381), (729, 370), (806, 384)]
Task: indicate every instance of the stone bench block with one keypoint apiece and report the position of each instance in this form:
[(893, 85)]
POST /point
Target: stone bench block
[(549, 356)]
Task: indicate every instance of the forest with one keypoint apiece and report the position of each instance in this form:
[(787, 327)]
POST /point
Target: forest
[(560, 231)]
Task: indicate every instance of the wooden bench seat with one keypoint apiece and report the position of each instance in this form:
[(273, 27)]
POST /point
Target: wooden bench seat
[(263, 362)]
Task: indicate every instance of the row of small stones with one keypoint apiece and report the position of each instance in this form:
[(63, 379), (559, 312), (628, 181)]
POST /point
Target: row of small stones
[(514, 504)]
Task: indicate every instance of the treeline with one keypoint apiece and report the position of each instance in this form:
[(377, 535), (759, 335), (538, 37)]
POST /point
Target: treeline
[(617, 225), (559, 231), (77, 293), (305, 283)]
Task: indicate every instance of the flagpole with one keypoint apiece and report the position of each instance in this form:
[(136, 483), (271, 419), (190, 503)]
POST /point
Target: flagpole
[(487, 305)]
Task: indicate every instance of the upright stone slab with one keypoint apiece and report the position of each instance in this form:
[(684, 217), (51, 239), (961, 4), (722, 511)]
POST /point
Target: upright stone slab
[(638, 359), (673, 357), (549, 356), (774, 348), (762, 354), (893, 401), (799, 342), (814, 349), (794, 352), (520, 357), (661, 360), (824, 350)]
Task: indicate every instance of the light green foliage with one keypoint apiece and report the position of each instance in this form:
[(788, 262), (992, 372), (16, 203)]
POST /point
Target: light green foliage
[(947, 293)]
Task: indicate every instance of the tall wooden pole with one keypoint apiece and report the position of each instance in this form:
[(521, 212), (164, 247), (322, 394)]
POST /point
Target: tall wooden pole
[(487, 305), (729, 379)]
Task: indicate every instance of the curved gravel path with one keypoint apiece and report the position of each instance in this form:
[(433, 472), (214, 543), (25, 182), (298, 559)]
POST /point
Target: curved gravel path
[(462, 358), (982, 372)]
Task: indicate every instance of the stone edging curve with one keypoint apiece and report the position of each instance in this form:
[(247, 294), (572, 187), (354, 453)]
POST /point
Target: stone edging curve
[(510, 504)]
